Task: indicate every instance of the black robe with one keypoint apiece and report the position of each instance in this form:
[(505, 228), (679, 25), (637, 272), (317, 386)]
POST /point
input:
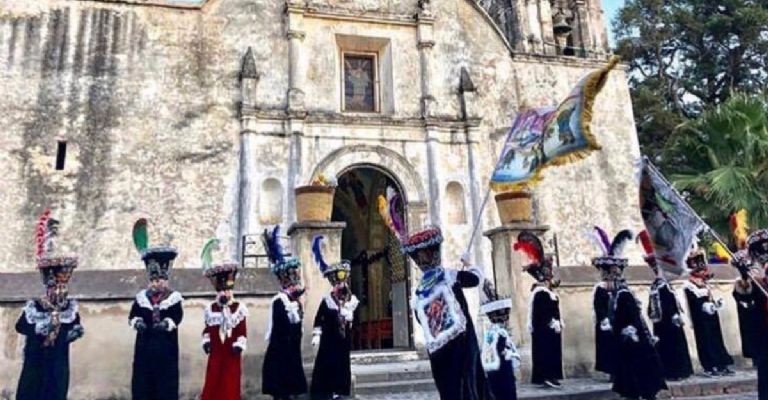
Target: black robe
[(668, 328), (546, 342), (456, 365), (605, 340), (45, 374), (638, 371), (501, 377), (332, 373), (706, 329), (156, 353), (744, 309), (283, 372), (757, 314)]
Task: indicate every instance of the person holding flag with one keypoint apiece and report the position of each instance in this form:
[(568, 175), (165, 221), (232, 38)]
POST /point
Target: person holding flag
[(667, 315), (751, 292)]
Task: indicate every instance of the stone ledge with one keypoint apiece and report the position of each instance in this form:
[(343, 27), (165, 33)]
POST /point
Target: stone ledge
[(122, 284)]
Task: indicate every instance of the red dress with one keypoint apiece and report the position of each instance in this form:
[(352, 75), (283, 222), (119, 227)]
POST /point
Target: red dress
[(222, 379)]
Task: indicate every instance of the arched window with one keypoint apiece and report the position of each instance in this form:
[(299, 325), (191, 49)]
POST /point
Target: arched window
[(271, 202), (455, 210)]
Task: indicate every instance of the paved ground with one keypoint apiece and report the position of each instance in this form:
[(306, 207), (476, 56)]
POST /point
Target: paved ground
[(433, 396)]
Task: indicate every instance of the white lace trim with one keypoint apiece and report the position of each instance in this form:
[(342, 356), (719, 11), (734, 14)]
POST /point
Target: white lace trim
[(444, 289), (206, 338), (241, 342), (39, 318), (132, 322), (697, 291), (291, 309), (170, 301), (537, 289), (215, 318), (171, 324)]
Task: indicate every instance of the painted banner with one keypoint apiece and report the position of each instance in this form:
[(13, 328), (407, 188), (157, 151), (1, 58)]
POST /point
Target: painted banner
[(670, 221), (548, 136)]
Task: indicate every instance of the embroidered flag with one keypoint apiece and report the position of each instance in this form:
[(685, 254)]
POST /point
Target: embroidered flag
[(548, 136), (670, 221)]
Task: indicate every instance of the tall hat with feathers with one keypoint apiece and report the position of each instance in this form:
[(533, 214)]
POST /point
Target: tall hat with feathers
[(696, 259), (611, 252), (757, 245), (158, 260), (540, 267), (336, 272), (286, 269), (222, 274), (54, 266), (497, 308)]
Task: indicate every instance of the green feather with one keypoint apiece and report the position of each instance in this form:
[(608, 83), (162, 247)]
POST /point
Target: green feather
[(206, 254), (140, 235)]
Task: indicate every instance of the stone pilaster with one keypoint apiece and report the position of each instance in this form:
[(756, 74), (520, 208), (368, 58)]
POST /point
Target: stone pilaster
[(302, 234), (582, 29), (547, 32), (295, 35), (426, 42)]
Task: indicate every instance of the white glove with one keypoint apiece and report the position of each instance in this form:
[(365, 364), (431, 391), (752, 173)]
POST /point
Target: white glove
[(631, 333), (719, 303), (465, 259), (709, 308), (678, 320), (555, 325), (315, 340), (605, 325), (654, 339)]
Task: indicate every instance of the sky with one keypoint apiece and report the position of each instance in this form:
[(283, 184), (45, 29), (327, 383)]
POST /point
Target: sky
[(611, 8)]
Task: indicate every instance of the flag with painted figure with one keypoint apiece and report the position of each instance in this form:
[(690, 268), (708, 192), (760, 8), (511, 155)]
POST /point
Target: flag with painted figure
[(671, 223), (550, 136)]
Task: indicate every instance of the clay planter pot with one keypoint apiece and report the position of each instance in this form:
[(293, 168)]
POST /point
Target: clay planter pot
[(314, 203), (514, 207)]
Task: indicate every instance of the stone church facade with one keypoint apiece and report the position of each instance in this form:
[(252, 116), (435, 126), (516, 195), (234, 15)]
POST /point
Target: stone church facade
[(204, 115)]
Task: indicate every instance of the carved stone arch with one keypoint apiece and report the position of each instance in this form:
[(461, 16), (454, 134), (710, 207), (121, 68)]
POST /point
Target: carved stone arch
[(340, 160)]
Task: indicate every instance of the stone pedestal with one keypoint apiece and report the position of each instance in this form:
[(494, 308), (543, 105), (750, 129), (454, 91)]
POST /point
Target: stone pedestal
[(508, 273), (316, 285)]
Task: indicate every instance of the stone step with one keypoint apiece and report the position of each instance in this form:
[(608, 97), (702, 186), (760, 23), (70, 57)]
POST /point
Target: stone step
[(392, 372), (385, 357)]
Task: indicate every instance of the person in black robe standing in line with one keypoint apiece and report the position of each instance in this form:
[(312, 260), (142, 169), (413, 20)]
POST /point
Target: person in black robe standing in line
[(500, 356), (332, 372), (667, 315), (50, 323), (155, 316), (283, 372), (756, 310), (544, 322), (602, 306), (703, 309), (637, 370)]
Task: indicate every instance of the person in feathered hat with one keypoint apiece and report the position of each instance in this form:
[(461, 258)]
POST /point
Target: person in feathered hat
[(441, 308), (283, 372), (743, 263), (225, 333), (499, 354), (750, 292), (637, 371), (155, 316), (544, 322), (703, 308), (332, 374), (49, 323), (602, 300), (667, 315)]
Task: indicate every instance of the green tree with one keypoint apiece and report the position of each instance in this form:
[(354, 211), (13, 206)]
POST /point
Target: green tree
[(722, 161), (686, 55)]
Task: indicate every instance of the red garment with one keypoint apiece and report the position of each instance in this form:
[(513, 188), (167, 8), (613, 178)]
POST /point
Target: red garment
[(222, 378)]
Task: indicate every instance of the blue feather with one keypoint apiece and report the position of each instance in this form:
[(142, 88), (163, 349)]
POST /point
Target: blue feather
[(318, 253), (272, 245), (620, 241)]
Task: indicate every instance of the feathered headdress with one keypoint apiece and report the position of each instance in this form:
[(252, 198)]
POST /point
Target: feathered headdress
[(53, 265), (333, 272), (222, 275), (540, 267), (388, 209), (158, 260), (278, 262), (757, 244), (739, 228), (611, 252), (497, 308)]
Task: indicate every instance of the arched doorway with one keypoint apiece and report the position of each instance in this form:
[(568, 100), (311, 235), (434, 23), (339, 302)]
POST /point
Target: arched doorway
[(379, 275)]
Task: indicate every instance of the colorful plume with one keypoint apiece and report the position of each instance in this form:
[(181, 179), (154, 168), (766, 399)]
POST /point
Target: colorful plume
[(140, 235), (530, 244), (41, 233), (739, 228), (620, 242), (389, 214), (720, 254), (317, 251), (272, 245), (207, 254), (645, 239)]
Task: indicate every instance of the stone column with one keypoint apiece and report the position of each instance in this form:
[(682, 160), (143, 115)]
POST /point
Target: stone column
[(426, 42), (582, 30), (547, 32), (295, 34), (508, 272), (302, 234)]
